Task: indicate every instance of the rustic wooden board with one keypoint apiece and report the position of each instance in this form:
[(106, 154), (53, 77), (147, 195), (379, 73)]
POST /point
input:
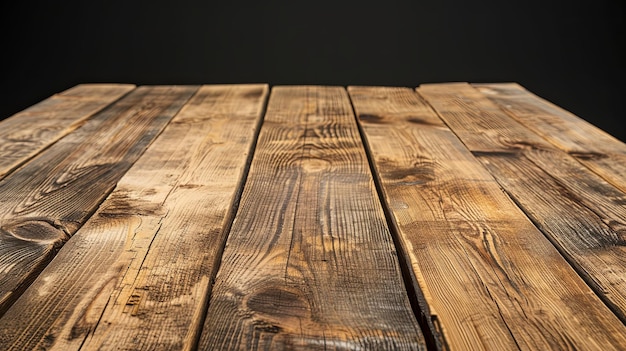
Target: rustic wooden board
[(45, 201), (26, 133), (137, 274), (491, 278), (309, 262), (594, 148), (583, 215)]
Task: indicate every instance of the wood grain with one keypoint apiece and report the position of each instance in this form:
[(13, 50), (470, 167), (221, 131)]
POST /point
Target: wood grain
[(27, 133), (594, 148), (45, 201), (137, 274), (583, 215), (490, 277), (309, 262)]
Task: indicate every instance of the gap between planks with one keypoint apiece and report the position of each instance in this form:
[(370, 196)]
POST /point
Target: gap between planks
[(29, 132), (407, 139), (591, 146), (171, 206), (578, 211), (310, 264), (431, 329), (46, 200)]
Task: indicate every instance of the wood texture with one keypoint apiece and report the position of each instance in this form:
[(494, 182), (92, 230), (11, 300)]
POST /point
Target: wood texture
[(490, 277), (591, 146), (504, 215), (137, 274), (44, 202), (310, 263), (583, 215), (26, 133)]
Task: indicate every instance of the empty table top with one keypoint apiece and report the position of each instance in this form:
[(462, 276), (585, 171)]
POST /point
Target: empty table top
[(453, 216)]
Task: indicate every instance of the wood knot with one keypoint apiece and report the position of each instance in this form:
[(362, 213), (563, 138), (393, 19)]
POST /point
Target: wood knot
[(314, 164), (423, 121), (40, 230), (280, 303), (525, 145), (410, 177), (587, 155), (266, 327), (368, 118)]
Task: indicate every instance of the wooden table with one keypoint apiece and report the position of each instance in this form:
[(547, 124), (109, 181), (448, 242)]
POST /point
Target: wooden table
[(221, 217)]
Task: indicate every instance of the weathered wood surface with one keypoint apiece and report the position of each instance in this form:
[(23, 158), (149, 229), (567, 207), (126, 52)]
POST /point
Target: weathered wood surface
[(492, 279), (455, 217), (591, 146), (583, 215), (137, 274), (45, 201), (310, 263), (26, 133)]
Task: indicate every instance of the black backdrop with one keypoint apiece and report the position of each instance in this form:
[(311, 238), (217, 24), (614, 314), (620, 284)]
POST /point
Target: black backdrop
[(569, 52)]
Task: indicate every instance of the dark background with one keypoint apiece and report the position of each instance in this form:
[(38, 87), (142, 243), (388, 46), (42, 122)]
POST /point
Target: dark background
[(569, 52)]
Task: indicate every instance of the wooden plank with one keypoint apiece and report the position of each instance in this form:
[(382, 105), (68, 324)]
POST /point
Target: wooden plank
[(27, 133), (490, 277), (594, 148), (137, 274), (579, 212), (45, 201), (309, 262)]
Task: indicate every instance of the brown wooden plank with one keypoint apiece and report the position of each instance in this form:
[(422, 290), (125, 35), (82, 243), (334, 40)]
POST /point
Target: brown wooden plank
[(594, 148), (310, 263), (26, 133), (490, 277), (137, 274), (45, 201), (582, 214)]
